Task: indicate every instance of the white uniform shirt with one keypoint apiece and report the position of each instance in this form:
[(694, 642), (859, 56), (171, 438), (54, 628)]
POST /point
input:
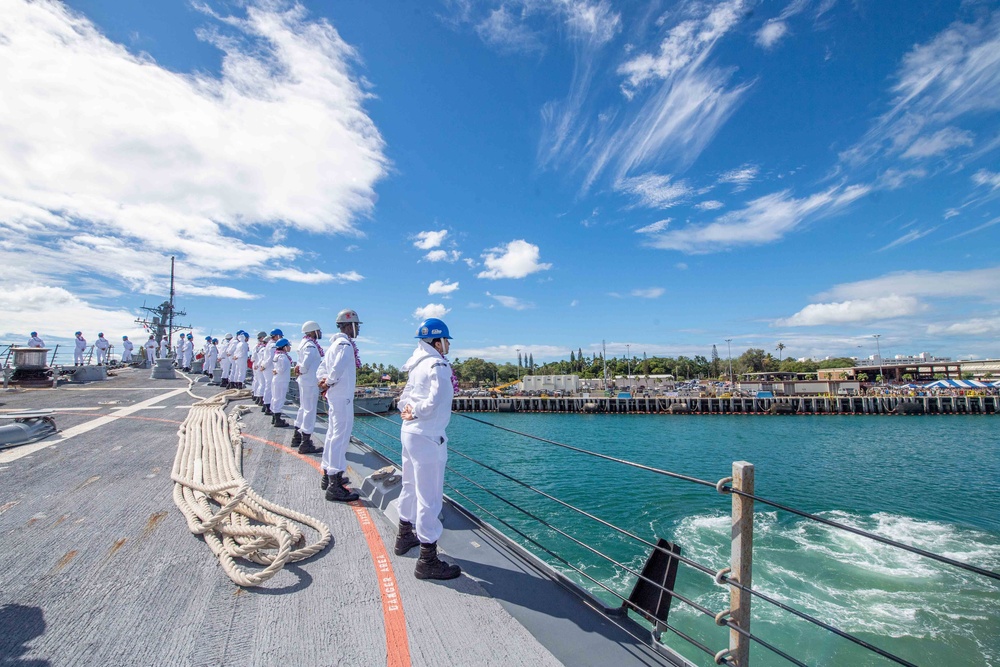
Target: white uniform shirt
[(282, 366), (164, 347), (309, 359), (267, 357), (81, 344), (127, 346), (428, 391), (102, 344), (35, 341), (150, 346), (339, 368)]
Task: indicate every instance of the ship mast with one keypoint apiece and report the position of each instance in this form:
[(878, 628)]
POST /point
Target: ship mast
[(170, 313)]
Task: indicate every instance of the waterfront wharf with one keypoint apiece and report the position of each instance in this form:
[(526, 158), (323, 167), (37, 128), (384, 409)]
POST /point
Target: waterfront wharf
[(779, 405)]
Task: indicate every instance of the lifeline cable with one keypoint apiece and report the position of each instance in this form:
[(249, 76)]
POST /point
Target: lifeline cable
[(241, 523)]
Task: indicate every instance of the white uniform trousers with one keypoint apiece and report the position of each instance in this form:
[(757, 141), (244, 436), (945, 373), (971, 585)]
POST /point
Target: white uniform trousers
[(279, 389), (338, 434), (225, 362), (268, 393), (101, 355), (239, 370), (77, 356), (420, 498), (255, 388), (305, 418)]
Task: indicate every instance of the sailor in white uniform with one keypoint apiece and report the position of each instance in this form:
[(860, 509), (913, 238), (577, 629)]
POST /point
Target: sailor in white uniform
[(101, 345), (81, 345), (266, 366), (150, 347), (211, 356), (425, 408), (310, 357), (257, 389), (188, 353), (225, 358), (164, 347), (241, 353), (127, 348), (281, 373), (35, 341), (337, 379)]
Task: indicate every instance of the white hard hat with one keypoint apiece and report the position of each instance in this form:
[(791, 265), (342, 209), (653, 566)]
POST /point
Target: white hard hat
[(348, 316), (311, 326), (229, 335)]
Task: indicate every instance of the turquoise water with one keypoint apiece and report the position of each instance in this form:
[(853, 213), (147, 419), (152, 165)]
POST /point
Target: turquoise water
[(925, 481)]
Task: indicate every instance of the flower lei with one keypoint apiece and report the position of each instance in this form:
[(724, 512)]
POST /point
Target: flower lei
[(357, 359), (454, 379), (316, 340)]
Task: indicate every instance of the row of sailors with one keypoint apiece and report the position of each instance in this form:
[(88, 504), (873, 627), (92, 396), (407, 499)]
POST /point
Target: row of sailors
[(425, 409), (102, 346)]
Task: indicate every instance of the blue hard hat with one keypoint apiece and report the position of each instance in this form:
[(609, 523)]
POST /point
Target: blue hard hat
[(215, 340), (190, 336), (277, 332), (34, 333), (208, 338), (78, 333), (282, 343), (432, 327), (124, 337)]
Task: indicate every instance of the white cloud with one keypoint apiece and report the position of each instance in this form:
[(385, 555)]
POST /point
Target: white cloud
[(655, 227), (515, 260), (979, 283), (977, 326), (764, 220), (153, 162), (940, 142), (428, 240), (854, 311), (431, 310), (450, 256), (56, 313), (511, 302), (988, 178), (909, 237), (741, 177), (681, 266), (710, 205), (312, 277), (655, 190), (649, 293), (507, 33), (771, 33), (441, 287)]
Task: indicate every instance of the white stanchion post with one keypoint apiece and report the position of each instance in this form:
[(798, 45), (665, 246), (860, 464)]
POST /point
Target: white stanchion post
[(741, 561)]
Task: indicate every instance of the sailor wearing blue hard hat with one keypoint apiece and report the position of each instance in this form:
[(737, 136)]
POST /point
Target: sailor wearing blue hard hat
[(310, 357), (127, 348), (337, 380), (257, 386), (35, 341), (281, 374), (81, 345), (266, 365), (425, 407)]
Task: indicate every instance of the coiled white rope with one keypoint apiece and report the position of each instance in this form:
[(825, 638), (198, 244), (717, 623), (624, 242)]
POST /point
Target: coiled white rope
[(218, 503)]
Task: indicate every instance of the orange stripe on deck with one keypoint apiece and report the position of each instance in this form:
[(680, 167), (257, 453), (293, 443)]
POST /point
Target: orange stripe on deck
[(397, 645)]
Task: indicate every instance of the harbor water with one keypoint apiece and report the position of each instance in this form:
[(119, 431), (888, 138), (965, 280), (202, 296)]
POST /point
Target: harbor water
[(928, 481)]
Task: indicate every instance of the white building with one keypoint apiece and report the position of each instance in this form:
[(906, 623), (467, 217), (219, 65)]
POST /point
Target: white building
[(566, 383)]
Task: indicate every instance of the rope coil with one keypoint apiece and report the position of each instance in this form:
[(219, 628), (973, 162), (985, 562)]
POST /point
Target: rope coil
[(221, 506)]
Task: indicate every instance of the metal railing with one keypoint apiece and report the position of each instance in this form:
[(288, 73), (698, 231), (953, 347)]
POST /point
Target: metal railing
[(736, 575)]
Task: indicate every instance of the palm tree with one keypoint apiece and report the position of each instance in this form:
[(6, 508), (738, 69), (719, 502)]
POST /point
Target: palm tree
[(781, 346)]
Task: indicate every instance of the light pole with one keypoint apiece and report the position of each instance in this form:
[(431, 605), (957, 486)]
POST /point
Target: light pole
[(518, 363), (628, 363), (730, 348), (878, 349)]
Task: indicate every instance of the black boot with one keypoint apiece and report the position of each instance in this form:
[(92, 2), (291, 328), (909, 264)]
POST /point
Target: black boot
[(267, 410), (325, 482), (307, 447), (429, 566), (297, 438), (335, 490), (224, 384), (406, 539), (277, 421)]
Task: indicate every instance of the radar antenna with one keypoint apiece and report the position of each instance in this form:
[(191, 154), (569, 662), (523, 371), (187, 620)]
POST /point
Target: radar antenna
[(160, 319)]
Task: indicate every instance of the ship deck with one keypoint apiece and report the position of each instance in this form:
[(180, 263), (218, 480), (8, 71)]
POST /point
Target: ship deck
[(98, 566)]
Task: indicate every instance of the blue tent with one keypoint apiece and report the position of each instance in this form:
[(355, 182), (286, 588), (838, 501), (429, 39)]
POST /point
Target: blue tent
[(956, 384)]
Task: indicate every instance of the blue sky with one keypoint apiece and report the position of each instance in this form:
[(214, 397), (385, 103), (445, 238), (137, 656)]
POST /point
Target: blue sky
[(542, 174)]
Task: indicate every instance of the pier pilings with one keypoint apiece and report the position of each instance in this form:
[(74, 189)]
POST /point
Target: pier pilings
[(781, 405)]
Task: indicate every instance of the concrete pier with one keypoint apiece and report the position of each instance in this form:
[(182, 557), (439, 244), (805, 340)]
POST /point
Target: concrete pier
[(782, 405)]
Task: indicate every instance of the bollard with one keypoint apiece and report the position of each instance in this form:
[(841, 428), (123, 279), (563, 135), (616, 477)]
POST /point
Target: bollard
[(741, 561)]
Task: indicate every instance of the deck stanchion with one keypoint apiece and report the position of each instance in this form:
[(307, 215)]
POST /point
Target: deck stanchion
[(741, 561)]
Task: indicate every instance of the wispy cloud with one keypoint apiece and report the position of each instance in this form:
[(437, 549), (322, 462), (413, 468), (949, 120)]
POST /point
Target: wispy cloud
[(775, 29), (655, 190), (648, 293), (655, 227), (510, 302), (517, 259), (976, 326), (313, 277), (439, 255), (853, 311), (507, 32), (763, 220), (990, 179), (709, 205), (56, 313), (741, 177), (442, 287), (153, 162), (909, 237), (940, 142)]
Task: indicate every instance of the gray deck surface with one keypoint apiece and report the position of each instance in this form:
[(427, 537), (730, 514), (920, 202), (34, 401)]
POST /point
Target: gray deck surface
[(98, 567)]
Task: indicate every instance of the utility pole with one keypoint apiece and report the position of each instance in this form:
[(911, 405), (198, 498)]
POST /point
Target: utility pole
[(604, 360), (878, 349), (628, 363), (518, 363), (730, 348)]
